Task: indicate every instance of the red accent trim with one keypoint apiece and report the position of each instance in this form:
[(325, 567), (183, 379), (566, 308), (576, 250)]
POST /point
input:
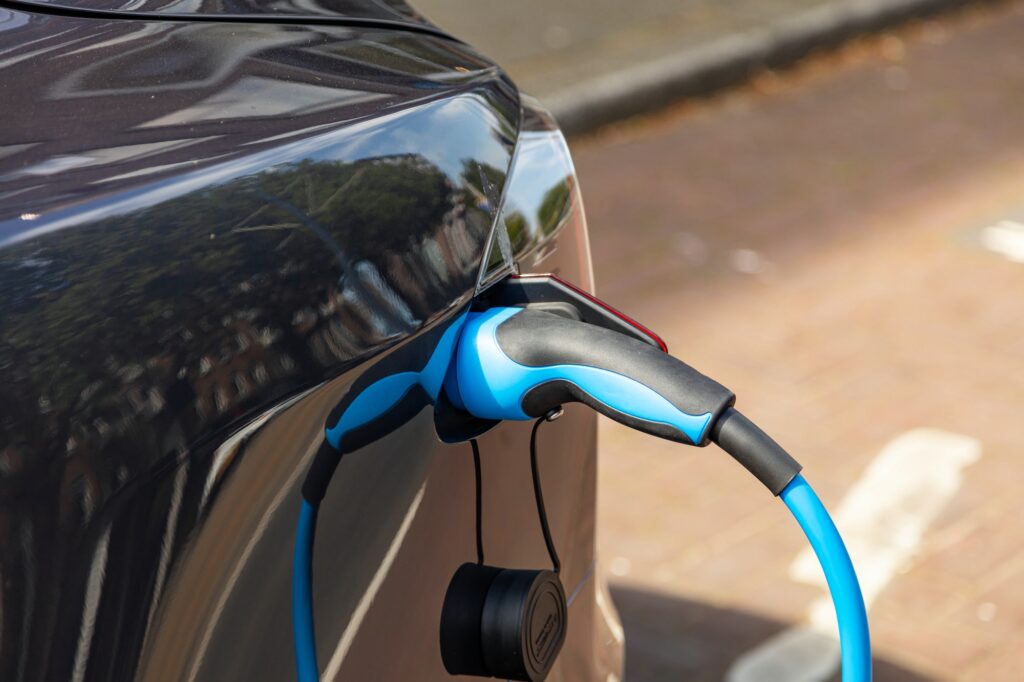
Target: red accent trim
[(617, 313)]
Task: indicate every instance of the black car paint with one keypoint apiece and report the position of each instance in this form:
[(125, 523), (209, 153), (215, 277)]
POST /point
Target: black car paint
[(349, 11), (208, 231)]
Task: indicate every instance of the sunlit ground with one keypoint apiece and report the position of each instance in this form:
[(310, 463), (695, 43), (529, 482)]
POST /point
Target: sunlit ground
[(837, 245)]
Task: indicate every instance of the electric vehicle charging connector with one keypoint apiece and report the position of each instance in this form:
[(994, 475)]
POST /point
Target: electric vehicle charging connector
[(513, 363)]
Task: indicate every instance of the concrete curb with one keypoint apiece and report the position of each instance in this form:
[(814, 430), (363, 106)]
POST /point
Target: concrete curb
[(700, 71)]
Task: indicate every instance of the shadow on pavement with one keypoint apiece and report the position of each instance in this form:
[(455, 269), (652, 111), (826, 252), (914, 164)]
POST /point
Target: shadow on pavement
[(668, 638)]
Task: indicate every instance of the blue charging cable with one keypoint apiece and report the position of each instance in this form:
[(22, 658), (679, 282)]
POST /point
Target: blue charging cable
[(851, 614), (302, 596), (799, 497)]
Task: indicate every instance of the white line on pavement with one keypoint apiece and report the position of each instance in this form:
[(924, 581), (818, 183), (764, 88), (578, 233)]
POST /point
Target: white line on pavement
[(1005, 238), (883, 519)]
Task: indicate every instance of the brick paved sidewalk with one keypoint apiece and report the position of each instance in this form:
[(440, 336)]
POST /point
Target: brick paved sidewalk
[(813, 243)]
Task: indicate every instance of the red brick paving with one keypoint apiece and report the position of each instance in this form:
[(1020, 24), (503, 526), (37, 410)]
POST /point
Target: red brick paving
[(850, 193)]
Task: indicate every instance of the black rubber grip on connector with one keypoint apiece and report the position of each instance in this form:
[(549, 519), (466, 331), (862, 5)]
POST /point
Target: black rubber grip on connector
[(755, 450), (538, 339)]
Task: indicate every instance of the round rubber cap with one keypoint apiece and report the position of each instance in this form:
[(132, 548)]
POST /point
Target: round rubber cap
[(523, 624), (461, 648)]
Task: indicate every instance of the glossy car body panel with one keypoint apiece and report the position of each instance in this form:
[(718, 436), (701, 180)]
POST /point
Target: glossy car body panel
[(383, 10), (207, 233)]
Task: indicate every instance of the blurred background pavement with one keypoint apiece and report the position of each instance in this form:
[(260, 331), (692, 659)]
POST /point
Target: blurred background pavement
[(596, 61), (842, 243)]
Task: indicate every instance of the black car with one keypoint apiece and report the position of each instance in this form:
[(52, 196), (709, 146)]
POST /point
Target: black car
[(216, 216)]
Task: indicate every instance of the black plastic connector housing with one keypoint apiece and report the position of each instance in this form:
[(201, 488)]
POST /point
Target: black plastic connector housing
[(755, 450)]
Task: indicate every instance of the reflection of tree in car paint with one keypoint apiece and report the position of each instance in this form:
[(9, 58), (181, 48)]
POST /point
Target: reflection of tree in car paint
[(405, 239), (555, 207)]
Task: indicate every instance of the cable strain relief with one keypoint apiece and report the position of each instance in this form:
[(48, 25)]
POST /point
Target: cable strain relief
[(755, 450), (321, 469)]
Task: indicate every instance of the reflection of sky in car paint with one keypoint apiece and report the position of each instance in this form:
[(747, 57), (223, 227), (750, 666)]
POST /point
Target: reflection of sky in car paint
[(547, 166), (436, 131), (439, 134)]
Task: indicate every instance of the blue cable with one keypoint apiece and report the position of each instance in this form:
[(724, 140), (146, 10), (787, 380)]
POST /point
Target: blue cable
[(854, 639), (799, 497), (302, 595)]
